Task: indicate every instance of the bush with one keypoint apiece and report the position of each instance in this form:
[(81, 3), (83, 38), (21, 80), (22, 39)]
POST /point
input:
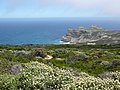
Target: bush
[(116, 63), (76, 57), (43, 77), (39, 52), (5, 66), (60, 53)]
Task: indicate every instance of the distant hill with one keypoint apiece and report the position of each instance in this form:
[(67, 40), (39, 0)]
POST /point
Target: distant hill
[(92, 36)]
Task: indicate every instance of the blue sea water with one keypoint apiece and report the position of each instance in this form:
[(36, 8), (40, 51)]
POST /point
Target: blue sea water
[(47, 30)]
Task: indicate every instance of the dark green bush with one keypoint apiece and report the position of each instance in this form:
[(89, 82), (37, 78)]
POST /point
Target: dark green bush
[(39, 52)]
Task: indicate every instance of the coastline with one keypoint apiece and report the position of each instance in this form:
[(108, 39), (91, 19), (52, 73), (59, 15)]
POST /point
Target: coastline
[(91, 36)]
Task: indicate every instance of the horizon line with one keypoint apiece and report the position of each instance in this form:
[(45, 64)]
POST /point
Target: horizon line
[(50, 17)]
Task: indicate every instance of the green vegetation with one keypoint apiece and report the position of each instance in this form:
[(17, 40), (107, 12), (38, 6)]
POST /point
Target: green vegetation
[(43, 77), (54, 67)]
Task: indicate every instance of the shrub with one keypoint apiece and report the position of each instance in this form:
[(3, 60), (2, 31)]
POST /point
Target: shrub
[(76, 57), (60, 53), (39, 52), (43, 77), (5, 66), (116, 63)]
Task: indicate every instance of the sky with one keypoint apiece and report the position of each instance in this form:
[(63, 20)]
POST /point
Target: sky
[(59, 8)]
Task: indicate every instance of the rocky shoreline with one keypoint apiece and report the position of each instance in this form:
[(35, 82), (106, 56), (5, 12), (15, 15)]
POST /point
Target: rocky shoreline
[(92, 36)]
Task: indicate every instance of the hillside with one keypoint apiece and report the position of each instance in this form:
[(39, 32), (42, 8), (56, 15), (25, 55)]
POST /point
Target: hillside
[(59, 67)]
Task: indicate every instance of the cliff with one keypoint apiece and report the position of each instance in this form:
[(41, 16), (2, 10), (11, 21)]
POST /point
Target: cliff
[(91, 36)]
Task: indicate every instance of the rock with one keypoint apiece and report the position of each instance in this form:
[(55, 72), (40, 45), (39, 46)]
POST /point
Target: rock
[(66, 38), (105, 75), (15, 69), (95, 57)]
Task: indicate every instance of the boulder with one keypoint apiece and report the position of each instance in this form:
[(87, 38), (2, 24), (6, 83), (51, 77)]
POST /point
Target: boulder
[(95, 57), (105, 75)]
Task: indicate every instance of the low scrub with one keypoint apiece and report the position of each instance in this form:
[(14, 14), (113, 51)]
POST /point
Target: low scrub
[(38, 76)]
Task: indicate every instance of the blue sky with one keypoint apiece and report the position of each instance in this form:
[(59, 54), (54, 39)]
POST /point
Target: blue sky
[(59, 8)]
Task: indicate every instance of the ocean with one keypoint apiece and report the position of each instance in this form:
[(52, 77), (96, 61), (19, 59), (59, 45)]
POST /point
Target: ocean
[(47, 30)]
